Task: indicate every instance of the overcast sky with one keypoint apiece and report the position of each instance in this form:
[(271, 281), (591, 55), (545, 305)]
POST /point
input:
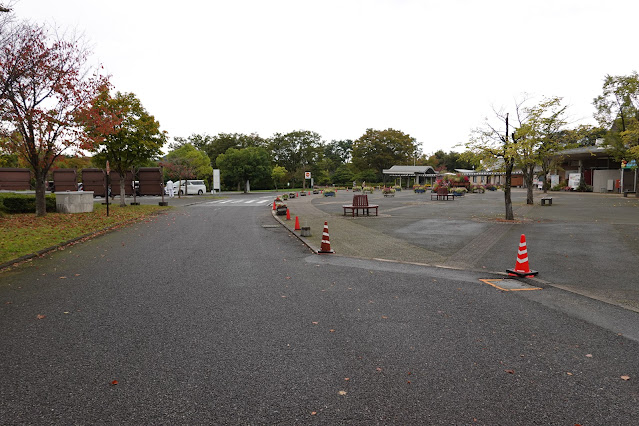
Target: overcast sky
[(432, 69)]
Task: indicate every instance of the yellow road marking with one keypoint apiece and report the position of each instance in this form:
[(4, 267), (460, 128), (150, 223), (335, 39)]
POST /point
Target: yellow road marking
[(494, 283)]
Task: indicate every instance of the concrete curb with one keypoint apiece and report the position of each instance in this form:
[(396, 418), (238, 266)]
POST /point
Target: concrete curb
[(292, 231)]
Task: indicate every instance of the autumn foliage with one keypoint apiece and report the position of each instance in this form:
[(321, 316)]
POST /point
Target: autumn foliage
[(46, 89)]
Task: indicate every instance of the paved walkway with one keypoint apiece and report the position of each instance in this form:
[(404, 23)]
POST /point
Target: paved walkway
[(587, 243)]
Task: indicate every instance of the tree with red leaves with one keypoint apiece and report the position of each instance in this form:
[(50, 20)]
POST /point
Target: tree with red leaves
[(46, 89)]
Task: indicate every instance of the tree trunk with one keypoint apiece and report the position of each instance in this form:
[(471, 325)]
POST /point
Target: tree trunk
[(509, 162), (40, 193), (507, 199), (528, 176), (122, 191)]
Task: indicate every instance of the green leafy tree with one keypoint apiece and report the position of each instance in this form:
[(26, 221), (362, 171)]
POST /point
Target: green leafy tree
[(135, 136), (343, 175), (381, 149), (618, 110), (220, 143), (297, 152), (279, 175), (188, 162), (539, 139), (238, 166)]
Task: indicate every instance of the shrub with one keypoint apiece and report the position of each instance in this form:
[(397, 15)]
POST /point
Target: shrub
[(559, 186), (388, 191), (23, 203), (368, 188), (490, 187)]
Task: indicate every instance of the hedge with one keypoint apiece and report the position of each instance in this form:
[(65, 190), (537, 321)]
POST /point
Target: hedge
[(21, 203)]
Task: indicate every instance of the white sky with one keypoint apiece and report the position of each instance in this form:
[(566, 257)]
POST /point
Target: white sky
[(432, 69)]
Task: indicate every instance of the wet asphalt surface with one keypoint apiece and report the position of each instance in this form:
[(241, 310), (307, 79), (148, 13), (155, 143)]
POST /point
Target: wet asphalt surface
[(215, 314)]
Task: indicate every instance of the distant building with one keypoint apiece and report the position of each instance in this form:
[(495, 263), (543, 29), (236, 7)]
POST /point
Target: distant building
[(418, 174)]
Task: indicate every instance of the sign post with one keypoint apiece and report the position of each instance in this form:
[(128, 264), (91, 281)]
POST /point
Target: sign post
[(108, 184), (216, 180), (307, 175)]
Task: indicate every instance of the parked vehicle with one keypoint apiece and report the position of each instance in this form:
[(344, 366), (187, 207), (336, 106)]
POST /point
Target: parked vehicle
[(191, 187)]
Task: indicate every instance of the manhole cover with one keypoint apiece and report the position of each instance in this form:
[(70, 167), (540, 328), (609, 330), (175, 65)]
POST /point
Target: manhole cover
[(509, 285), (270, 226)]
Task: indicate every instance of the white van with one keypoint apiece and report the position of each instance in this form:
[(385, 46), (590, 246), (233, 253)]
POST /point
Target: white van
[(191, 187)]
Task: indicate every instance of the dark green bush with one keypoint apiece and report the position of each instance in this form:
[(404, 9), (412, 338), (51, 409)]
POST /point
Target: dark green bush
[(22, 203)]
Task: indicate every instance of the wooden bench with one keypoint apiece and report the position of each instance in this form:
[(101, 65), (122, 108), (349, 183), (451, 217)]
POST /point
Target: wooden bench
[(442, 194), (546, 200), (360, 202)]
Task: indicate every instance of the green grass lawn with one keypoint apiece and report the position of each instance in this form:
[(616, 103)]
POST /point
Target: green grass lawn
[(23, 234)]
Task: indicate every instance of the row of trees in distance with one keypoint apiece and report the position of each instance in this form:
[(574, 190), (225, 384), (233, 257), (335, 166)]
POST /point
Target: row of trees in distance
[(531, 136)]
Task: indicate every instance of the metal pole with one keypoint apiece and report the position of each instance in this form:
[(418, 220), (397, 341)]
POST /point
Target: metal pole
[(108, 184)]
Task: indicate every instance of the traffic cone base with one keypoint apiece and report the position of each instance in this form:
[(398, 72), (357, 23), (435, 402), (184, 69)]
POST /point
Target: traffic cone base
[(521, 266), (325, 248)]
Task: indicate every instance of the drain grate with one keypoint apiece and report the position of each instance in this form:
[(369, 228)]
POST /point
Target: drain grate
[(509, 285)]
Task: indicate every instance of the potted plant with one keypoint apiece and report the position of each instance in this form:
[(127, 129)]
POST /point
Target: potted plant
[(329, 192), (367, 189), (280, 209), (419, 189), (388, 192), (397, 188)]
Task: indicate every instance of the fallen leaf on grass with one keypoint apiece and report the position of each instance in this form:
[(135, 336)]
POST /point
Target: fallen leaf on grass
[(41, 316), (625, 377)]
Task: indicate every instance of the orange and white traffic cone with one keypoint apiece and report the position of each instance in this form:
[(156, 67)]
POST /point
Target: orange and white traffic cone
[(273, 205), (326, 243), (521, 267), (288, 214), (297, 224)]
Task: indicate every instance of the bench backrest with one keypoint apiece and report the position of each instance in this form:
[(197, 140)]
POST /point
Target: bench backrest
[(360, 200)]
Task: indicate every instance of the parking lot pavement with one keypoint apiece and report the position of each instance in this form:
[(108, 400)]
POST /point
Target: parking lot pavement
[(587, 243)]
